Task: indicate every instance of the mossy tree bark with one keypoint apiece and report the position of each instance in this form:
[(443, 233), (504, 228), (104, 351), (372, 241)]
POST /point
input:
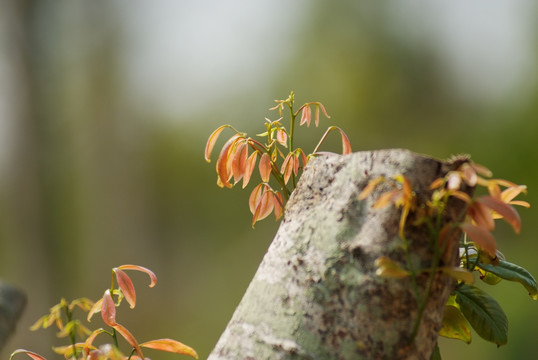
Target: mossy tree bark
[(316, 295)]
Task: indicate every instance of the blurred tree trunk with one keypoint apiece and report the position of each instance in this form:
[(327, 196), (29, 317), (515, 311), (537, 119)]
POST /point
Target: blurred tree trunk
[(316, 295)]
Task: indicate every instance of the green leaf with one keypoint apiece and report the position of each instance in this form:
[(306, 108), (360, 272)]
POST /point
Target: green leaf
[(513, 272), (484, 314), (455, 325)]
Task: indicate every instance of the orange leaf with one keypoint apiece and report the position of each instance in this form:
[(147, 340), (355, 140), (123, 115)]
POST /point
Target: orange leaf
[(287, 167), (481, 215), (437, 183), (88, 344), (264, 207), (481, 237), (239, 161), (279, 205), (461, 195), (370, 187), (265, 167), (249, 168), (108, 309), (31, 354), (255, 197), (126, 286), (170, 346), (506, 211), (95, 309), (129, 338), (151, 274), (346, 145), (211, 142), (509, 193), (387, 198), (296, 163), (282, 137), (306, 115), (324, 111), (223, 171)]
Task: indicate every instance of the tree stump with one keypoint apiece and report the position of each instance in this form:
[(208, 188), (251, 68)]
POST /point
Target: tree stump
[(316, 295)]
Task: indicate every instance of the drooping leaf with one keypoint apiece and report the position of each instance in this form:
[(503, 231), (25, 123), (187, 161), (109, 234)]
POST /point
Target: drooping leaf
[(483, 313), (482, 238), (264, 207), (306, 115), (151, 274), (249, 169), (279, 205), (481, 214), (108, 309), (126, 286), (239, 161), (282, 137), (255, 197), (170, 346), (95, 309), (211, 142), (506, 211), (287, 167), (31, 354), (513, 272), (387, 268), (265, 167), (223, 165), (129, 338), (455, 325)]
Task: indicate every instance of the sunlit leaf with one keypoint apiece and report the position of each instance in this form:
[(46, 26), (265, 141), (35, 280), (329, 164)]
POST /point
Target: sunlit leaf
[(264, 206), (31, 354), (255, 197), (468, 174), (506, 211), (306, 115), (108, 309), (372, 184), (249, 168), (510, 193), (239, 161), (282, 137), (488, 277), (387, 198), (287, 167), (483, 313), (520, 203), (95, 309), (265, 167), (481, 237), (170, 346), (151, 274), (387, 268), (513, 272), (84, 304), (223, 171), (129, 338), (67, 350), (459, 273), (211, 142), (455, 325), (126, 286), (453, 180), (279, 205)]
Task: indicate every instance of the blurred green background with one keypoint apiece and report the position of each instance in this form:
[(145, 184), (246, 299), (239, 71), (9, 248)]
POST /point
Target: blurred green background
[(105, 107)]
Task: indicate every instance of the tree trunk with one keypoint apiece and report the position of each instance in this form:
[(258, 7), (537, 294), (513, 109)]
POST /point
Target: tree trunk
[(316, 294)]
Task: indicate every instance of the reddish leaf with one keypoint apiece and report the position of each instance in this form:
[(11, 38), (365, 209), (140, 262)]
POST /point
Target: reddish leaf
[(481, 215), (282, 137), (170, 346), (223, 171), (387, 198), (265, 167), (249, 168), (151, 274), (264, 207), (317, 115), (239, 160), (279, 205), (304, 159), (296, 163), (437, 183), (255, 197), (108, 309), (346, 145), (88, 344), (287, 167), (506, 211), (306, 115), (31, 354), (129, 338), (126, 286), (324, 111), (481, 237), (211, 142)]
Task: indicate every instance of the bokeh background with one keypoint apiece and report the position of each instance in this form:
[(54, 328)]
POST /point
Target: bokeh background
[(105, 107)]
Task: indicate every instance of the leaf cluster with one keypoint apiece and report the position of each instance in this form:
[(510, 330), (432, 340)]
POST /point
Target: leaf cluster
[(62, 315), (277, 157)]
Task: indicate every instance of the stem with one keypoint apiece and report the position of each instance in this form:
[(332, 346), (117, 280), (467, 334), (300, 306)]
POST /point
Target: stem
[(72, 338)]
